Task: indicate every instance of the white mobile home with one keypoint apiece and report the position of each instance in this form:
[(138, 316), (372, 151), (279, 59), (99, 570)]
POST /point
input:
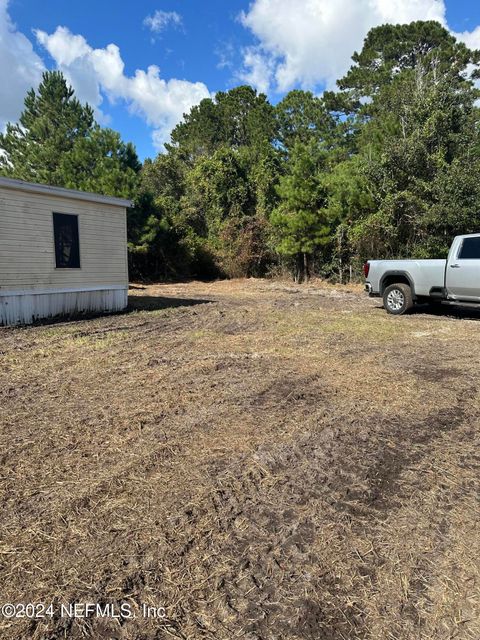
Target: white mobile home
[(61, 252)]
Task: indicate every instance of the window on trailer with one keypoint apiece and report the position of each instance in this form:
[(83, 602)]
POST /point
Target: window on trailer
[(67, 245)]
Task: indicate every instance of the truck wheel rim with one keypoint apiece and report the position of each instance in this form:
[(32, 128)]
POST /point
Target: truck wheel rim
[(395, 300)]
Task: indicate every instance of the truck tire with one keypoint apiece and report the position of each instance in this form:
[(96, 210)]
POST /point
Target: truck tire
[(397, 299)]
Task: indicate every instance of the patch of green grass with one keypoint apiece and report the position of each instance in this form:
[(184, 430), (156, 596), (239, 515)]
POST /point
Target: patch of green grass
[(204, 334), (57, 331), (352, 326), (361, 327), (96, 342)]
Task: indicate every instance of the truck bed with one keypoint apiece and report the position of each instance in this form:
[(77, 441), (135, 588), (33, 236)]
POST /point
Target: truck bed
[(426, 274)]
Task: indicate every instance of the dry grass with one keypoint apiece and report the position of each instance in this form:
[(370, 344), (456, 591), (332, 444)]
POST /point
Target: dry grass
[(266, 461)]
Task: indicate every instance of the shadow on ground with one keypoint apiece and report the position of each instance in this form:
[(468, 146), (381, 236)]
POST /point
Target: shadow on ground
[(443, 311), (440, 310), (153, 303), (135, 303)]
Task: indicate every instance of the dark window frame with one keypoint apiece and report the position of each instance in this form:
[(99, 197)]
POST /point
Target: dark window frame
[(66, 225), (475, 241)]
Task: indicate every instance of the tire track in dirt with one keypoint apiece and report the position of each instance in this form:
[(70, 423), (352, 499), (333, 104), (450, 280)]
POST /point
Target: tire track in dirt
[(323, 470)]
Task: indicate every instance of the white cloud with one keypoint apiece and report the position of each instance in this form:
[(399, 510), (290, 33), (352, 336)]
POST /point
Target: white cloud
[(161, 102), (94, 72), (310, 42), (20, 68), (71, 53), (470, 38), (63, 46), (258, 69), (160, 20), (225, 54)]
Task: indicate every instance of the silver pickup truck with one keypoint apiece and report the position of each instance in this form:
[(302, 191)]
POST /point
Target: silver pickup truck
[(403, 283)]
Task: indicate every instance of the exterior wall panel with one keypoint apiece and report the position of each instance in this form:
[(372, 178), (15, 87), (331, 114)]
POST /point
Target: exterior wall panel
[(27, 251), (25, 308), (31, 286)]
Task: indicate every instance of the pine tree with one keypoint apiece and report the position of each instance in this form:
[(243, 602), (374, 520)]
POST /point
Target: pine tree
[(52, 121), (301, 221)]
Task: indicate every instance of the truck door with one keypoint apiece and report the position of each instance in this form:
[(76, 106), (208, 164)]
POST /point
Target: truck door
[(463, 271)]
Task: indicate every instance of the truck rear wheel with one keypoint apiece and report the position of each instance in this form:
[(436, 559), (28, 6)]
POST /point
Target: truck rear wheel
[(397, 299)]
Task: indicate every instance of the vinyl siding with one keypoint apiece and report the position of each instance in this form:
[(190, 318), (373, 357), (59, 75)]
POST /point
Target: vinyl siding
[(27, 251)]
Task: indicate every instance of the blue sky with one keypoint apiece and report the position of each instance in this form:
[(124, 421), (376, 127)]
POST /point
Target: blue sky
[(142, 64), (186, 52)]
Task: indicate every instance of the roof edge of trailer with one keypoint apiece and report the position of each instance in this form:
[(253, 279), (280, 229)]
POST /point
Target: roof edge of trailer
[(45, 189)]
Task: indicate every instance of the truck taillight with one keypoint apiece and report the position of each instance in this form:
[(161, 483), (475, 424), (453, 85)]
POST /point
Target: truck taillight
[(366, 269)]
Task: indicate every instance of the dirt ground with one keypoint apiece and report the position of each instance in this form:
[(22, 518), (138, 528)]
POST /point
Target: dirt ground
[(265, 461)]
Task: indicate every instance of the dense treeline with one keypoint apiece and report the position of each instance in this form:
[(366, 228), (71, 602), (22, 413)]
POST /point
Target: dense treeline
[(388, 165)]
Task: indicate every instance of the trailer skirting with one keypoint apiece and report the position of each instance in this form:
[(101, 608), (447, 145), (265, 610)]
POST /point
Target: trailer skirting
[(24, 307)]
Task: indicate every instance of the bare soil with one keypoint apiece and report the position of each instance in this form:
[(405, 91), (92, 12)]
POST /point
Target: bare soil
[(266, 461)]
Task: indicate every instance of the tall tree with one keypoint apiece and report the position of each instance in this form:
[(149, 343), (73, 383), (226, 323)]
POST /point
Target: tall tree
[(58, 142), (415, 131), (301, 222), (236, 118), (53, 119), (389, 50), (229, 168), (301, 117), (100, 162)]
